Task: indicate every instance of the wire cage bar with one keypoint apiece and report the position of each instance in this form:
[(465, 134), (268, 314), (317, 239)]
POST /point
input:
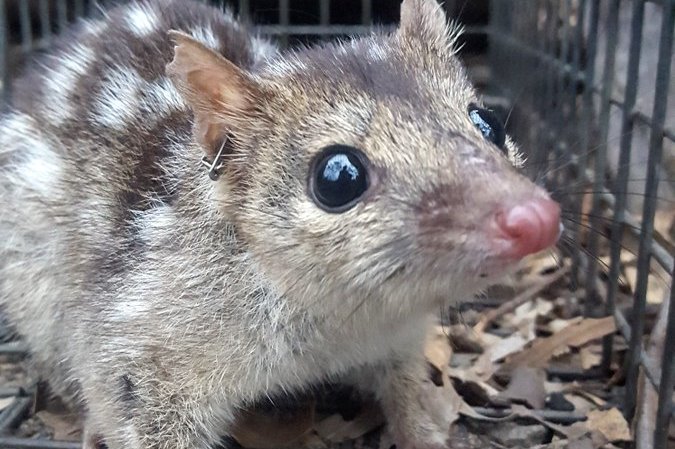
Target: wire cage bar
[(559, 70), (573, 103)]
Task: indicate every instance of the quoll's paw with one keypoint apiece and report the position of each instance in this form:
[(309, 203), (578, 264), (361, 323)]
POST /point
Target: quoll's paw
[(421, 419), (90, 441)]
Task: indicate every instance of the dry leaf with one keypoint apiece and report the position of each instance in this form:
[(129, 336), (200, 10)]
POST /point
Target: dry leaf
[(657, 289), (567, 432), (582, 404), (506, 347), (543, 262), (280, 432), (64, 427), (437, 349), (444, 399), (6, 402), (336, 430), (526, 385), (521, 298), (582, 443), (591, 329), (469, 377), (485, 366), (610, 423), (589, 396), (440, 400), (559, 324), (590, 357), (576, 335)]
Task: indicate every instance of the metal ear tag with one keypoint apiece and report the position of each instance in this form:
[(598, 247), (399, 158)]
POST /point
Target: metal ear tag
[(217, 164)]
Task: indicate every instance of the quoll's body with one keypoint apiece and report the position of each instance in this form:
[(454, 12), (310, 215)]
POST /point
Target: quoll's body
[(357, 189)]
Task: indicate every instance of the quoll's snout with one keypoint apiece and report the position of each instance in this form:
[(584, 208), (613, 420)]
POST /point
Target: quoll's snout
[(528, 227)]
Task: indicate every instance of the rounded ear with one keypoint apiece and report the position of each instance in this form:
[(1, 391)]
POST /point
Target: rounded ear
[(224, 98), (425, 22)]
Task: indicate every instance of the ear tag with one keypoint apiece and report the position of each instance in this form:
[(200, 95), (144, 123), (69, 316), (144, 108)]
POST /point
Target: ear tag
[(217, 164)]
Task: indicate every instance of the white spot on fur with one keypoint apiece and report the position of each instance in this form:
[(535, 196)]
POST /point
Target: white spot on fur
[(132, 439), (123, 345), (142, 20), (164, 97), (117, 102), (286, 67), (131, 309), (154, 223), (93, 28), (62, 78), (262, 49), (474, 160), (15, 127), (376, 52), (206, 36), (37, 166), (43, 168)]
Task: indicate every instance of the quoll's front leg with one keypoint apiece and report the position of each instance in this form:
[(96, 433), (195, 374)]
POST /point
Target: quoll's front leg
[(135, 413), (92, 440), (418, 415)]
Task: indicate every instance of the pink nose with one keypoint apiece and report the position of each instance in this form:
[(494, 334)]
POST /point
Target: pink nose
[(529, 227)]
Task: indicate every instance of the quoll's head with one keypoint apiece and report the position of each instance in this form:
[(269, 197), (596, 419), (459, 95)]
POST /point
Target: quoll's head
[(368, 167)]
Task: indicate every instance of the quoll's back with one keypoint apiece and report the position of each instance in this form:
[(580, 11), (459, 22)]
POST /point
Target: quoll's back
[(99, 139)]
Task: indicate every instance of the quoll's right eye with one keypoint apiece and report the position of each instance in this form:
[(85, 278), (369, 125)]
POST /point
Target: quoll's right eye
[(338, 178), (489, 125)]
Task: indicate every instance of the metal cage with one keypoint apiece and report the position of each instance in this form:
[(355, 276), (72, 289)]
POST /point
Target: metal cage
[(582, 112), (578, 106)]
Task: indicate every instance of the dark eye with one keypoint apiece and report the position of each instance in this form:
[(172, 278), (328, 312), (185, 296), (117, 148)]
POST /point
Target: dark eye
[(338, 178), (488, 124)]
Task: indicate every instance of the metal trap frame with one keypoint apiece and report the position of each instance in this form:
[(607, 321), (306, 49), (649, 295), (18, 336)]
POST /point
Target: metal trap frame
[(553, 68)]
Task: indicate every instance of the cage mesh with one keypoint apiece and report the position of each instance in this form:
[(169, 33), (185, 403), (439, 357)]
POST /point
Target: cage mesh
[(589, 84)]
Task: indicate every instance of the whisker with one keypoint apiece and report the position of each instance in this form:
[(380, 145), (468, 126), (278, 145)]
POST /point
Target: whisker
[(637, 194)]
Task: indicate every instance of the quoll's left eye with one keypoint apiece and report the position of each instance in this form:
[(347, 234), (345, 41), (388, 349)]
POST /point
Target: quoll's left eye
[(488, 124), (338, 178)]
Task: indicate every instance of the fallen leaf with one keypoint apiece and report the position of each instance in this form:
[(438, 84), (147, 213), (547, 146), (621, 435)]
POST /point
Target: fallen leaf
[(657, 289), (581, 404), (576, 335), (463, 340), (521, 298), (590, 357), (280, 432), (577, 432), (559, 324), (64, 427), (610, 423), (336, 430), (506, 347), (526, 385), (440, 399), (589, 396), (469, 377), (568, 432), (6, 402), (437, 349), (485, 364)]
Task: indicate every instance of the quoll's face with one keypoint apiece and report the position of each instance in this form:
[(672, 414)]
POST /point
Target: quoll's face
[(399, 180), (368, 168)]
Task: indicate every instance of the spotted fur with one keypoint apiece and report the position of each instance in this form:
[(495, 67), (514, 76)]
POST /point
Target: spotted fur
[(162, 301)]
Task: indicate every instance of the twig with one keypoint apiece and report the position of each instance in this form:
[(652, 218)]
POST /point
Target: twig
[(520, 299)]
